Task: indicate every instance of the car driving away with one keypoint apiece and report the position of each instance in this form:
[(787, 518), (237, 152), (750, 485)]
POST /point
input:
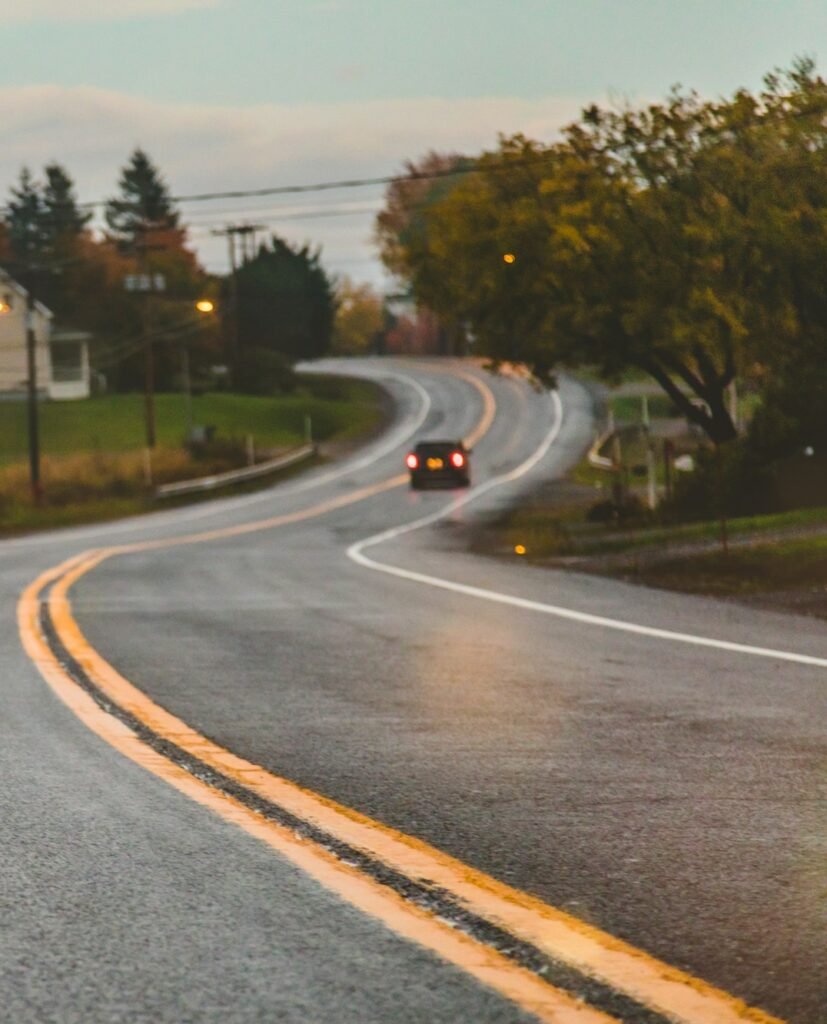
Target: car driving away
[(439, 464)]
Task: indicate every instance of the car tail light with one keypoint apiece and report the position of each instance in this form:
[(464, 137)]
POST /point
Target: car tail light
[(457, 460), (412, 461)]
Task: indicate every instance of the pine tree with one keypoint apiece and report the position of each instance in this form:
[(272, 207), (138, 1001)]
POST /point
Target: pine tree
[(62, 219), (286, 310), (144, 205), (25, 222)]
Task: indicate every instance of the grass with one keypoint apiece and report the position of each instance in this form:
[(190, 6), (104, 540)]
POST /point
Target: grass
[(115, 423), (636, 537), (790, 567), (554, 530), (629, 408), (93, 463)]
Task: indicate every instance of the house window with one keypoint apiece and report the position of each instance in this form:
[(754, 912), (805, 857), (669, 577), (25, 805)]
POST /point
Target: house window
[(67, 362)]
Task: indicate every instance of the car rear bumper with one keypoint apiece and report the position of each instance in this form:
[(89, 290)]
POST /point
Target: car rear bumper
[(439, 478)]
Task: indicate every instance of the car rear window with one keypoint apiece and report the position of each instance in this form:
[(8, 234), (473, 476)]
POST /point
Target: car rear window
[(438, 447)]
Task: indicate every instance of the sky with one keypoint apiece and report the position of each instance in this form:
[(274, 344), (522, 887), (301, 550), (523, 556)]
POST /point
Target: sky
[(247, 94)]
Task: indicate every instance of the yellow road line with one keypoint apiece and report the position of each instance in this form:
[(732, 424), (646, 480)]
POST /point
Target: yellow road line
[(515, 983), (489, 409), (678, 995), (561, 936)]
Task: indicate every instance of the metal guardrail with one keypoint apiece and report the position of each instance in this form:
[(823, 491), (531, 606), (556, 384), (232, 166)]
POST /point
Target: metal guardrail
[(233, 476), (595, 458)]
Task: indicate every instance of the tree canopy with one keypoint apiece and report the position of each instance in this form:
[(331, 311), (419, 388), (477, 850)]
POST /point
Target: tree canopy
[(685, 239), (143, 213), (285, 305), (359, 320)]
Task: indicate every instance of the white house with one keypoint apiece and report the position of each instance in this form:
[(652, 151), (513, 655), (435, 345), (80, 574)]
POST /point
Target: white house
[(61, 357)]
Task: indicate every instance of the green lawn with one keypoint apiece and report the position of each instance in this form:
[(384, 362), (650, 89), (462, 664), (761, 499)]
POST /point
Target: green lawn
[(629, 408), (115, 423)]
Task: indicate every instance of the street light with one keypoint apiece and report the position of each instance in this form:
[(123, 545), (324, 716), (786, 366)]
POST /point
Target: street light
[(509, 257), (205, 306)]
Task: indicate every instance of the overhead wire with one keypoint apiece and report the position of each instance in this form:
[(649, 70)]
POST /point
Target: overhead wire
[(321, 186)]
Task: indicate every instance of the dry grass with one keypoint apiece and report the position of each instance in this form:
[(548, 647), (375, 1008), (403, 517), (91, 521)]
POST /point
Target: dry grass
[(100, 476)]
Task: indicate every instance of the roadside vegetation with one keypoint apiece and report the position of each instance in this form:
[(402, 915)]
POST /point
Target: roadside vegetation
[(775, 560), (95, 465)]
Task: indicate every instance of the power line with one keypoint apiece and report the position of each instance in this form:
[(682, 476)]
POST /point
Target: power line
[(204, 227), (321, 186), (273, 211)]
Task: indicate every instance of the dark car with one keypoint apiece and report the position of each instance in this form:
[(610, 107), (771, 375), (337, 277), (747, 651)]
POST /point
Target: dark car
[(439, 464)]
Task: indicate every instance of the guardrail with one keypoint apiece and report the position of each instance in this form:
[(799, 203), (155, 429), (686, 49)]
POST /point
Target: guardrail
[(234, 476), (595, 458)]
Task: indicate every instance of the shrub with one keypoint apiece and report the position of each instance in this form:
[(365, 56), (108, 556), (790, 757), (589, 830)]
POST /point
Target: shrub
[(731, 482), (266, 372)]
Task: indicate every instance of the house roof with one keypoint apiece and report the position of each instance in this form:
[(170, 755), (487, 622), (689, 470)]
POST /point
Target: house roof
[(7, 281)]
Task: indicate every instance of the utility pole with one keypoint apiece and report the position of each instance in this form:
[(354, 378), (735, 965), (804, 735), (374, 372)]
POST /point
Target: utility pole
[(33, 422), (149, 373), (146, 282), (187, 382), (243, 232)]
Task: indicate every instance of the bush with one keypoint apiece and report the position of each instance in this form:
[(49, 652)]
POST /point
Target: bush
[(628, 509), (732, 482), (266, 372), (327, 388)]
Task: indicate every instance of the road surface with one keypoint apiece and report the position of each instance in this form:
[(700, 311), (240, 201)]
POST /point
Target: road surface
[(519, 794)]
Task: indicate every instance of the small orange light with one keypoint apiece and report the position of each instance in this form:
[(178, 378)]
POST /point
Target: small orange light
[(412, 461), (4, 307), (519, 549), (205, 306), (509, 257)]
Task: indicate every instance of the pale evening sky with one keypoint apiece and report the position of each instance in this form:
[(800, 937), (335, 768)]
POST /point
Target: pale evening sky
[(234, 94)]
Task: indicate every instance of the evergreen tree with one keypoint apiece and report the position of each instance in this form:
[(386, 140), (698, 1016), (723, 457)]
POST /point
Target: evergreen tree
[(144, 205), (286, 311), (62, 219), (25, 223), (43, 228)]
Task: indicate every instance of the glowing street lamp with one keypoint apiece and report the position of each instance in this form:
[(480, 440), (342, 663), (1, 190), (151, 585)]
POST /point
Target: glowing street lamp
[(509, 257), (205, 306)]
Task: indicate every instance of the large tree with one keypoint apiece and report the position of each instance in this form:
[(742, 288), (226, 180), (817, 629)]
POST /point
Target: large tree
[(685, 238), (143, 215), (286, 306), (63, 219), (45, 226), (360, 318), (25, 222)]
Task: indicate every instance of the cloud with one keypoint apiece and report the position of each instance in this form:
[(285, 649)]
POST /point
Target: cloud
[(220, 148), (88, 10)]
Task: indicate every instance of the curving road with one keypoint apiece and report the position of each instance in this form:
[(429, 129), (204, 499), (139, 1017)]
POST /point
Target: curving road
[(651, 764)]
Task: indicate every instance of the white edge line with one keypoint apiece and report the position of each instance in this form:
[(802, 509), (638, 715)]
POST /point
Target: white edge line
[(356, 553)]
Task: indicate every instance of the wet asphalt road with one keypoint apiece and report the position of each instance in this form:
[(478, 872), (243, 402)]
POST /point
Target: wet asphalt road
[(673, 795)]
